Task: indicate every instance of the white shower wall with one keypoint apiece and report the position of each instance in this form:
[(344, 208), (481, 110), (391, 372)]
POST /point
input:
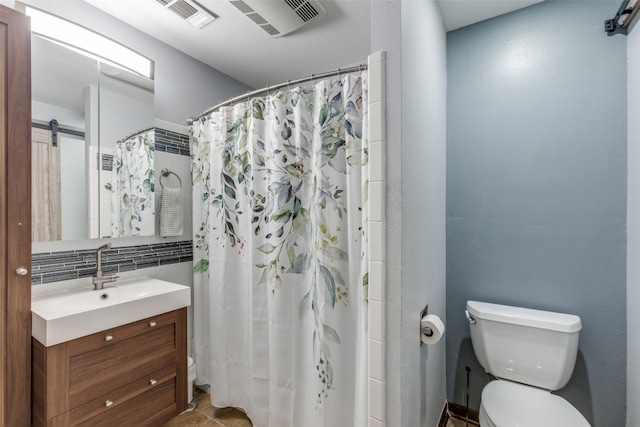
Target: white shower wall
[(377, 176)]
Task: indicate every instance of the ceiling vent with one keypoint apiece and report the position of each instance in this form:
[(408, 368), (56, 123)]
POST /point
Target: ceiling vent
[(189, 10), (282, 16)]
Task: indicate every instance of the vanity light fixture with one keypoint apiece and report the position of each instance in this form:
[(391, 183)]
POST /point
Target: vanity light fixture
[(88, 43), (621, 22)]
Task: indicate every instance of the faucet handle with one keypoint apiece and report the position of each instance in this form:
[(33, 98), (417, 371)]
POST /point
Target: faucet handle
[(105, 246), (110, 278)]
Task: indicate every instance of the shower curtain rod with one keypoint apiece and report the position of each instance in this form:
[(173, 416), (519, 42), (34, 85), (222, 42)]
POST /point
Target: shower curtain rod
[(266, 89), (120, 141)]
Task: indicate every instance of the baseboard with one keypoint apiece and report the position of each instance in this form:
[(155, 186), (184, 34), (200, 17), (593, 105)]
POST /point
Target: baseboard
[(454, 410), (444, 417)]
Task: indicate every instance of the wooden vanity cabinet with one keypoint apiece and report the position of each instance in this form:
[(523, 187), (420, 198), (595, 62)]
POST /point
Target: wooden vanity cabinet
[(132, 375)]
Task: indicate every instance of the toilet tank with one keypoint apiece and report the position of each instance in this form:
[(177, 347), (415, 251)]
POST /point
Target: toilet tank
[(529, 346)]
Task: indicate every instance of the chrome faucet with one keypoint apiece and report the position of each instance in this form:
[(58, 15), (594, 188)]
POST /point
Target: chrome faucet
[(99, 279)]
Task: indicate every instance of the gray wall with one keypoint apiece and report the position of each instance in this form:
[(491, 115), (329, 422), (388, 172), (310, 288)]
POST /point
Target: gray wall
[(633, 227), (412, 35), (536, 187), (424, 125)]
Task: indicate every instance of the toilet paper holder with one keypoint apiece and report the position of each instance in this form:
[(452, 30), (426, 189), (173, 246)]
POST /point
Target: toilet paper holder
[(428, 331), (423, 313)]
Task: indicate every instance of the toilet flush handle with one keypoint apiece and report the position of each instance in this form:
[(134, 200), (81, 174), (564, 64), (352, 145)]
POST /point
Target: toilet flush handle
[(470, 318)]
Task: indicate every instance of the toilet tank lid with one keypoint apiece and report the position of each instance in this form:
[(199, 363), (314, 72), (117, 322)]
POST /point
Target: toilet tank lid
[(525, 316)]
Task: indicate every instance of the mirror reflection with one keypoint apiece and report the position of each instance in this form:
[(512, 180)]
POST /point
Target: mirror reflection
[(93, 146), (62, 81), (127, 142)]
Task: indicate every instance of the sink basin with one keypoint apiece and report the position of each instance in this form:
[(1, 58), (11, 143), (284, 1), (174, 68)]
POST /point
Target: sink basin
[(65, 316)]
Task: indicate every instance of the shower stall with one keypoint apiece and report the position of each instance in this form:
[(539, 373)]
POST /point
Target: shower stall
[(288, 194)]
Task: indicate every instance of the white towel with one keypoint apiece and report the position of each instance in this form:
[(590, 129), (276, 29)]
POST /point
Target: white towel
[(171, 222)]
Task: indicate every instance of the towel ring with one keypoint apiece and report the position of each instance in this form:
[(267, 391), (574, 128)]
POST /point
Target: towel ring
[(166, 172)]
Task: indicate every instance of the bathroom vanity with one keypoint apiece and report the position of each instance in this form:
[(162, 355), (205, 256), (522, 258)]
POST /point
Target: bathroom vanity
[(135, 374), (110, 357)]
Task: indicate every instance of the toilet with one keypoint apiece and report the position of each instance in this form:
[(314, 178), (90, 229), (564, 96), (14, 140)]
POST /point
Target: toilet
[(531, 353)]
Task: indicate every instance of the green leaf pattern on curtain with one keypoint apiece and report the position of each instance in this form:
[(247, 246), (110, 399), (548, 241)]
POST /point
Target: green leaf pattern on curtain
[(132, 199), (272, 176)]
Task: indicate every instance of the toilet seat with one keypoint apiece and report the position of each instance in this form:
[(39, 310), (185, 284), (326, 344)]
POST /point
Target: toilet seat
[(508, 404)]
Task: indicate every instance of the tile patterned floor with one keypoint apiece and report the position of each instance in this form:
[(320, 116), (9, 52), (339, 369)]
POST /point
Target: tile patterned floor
[(457, 422), (207, 415)]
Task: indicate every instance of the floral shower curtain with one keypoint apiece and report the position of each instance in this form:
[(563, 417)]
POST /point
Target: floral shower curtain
[(133, 175), (280, 274)]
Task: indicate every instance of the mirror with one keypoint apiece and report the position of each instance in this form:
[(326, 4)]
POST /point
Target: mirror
[(127, 139), (62, 81), (92, 166)]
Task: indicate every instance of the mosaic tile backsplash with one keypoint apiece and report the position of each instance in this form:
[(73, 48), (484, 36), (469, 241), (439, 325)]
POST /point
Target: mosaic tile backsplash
[(107, 162), (51, 267), (172, 142)]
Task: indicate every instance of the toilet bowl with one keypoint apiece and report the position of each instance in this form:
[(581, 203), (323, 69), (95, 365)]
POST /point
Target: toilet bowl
[(505, 403), (531, 353)]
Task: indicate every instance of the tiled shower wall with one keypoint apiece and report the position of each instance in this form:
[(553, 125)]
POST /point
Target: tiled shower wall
[(172, 142), (376, 240)]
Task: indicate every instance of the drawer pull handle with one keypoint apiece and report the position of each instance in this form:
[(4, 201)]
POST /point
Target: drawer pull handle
[(108, 338), (108, 403), (152, 324), (153, 382)]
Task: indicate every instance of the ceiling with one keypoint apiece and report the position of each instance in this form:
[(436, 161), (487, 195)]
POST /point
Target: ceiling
[(460, 13), (236, 46)]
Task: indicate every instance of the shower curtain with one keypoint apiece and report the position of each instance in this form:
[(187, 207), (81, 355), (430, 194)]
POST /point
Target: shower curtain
[(133, 177), (280, 255)]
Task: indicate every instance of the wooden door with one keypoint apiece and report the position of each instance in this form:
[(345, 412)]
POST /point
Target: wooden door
[(46, 206), (15, 218)]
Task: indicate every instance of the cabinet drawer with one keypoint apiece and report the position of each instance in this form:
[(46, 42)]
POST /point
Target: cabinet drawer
[(95, 372), (112, 336), (137, 404)]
